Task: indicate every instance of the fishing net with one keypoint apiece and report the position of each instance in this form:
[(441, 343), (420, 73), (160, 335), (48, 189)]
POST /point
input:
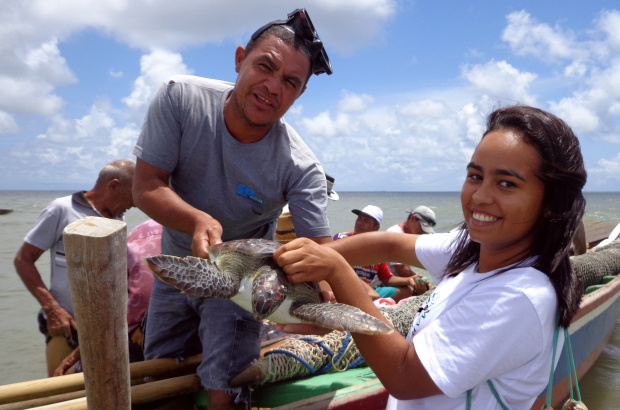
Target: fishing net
[(333, 352), (591, 267)]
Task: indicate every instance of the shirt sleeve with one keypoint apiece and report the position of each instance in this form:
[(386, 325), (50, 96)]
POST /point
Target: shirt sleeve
[(434, 252), (45, 233), (383, 271), (308, 204), (159, 140)]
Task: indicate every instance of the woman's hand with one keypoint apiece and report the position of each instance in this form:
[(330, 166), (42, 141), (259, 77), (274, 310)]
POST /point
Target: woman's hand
[(303, 260)]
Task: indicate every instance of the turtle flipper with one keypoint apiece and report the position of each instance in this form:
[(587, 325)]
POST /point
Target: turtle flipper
[(268, 292), (339, 316), (194, 276)]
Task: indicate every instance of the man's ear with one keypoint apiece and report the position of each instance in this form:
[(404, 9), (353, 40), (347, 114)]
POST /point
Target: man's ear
[(114, 184), (239, 57)]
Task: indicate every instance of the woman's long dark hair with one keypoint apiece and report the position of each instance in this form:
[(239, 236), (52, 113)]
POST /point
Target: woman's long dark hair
[(563, 174)]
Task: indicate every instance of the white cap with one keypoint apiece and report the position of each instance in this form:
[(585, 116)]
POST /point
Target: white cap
[(372, 211), (426, 217)]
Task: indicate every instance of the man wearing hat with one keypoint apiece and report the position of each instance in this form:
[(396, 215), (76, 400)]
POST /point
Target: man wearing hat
[(419, 222), (369, 220)]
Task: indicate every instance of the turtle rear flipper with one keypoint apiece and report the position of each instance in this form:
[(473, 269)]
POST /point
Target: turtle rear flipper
[(194, 276), (268, 292), (339, 316)]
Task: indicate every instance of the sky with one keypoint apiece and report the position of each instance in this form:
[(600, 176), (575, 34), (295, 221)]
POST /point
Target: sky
[(404, 109)]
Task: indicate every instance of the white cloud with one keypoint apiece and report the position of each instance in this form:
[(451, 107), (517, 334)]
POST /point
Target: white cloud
[(348, 24), (609, 22), (406, 140), (154, 69), (526, 36), (7, 124), (351, 102), (501, 81), (607, 169)]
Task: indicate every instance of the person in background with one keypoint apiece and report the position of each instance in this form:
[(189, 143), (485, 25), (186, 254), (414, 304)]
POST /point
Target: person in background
[(420, 221), (217, 162), (285, 230), (369, 220), (144, 240), (505, 282), (110, 198)]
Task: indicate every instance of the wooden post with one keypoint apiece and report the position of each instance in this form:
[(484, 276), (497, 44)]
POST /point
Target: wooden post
[(96, 251)]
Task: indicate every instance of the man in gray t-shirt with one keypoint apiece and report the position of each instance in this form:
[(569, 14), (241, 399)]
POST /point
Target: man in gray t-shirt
[(110, 198), (217, 162)]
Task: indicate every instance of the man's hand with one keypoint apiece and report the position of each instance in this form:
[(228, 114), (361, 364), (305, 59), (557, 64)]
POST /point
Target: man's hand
[(65, 367), (206, 233), (422, 285), (59, 321)]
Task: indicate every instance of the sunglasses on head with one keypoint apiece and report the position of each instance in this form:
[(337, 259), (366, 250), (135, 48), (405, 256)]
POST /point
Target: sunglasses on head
[(428, 221), (299, 22)]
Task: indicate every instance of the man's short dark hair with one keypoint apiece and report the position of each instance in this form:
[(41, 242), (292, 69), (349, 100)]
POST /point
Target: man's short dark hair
[(288, 36)]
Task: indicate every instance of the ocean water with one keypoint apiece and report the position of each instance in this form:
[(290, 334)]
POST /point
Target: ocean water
[(22, 346)]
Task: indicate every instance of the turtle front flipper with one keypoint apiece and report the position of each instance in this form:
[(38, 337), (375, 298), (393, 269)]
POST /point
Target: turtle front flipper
[(269, 289), (339, 316), (194, 276)]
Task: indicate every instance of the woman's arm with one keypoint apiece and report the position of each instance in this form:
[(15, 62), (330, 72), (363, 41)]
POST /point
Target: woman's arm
[(391, 357), (376, 247)]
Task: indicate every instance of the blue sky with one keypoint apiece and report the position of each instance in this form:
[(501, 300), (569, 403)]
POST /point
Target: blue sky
[(413, 81)]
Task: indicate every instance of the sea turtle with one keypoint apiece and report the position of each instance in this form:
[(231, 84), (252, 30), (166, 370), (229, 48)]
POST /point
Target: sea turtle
[(244, 271)]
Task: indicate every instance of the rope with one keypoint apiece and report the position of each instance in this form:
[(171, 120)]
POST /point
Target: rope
[(294, 356), (572, 370), (555, 347)]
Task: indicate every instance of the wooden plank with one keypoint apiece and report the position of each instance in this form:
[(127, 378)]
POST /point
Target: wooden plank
[(96, 251), (54, 386), (596, 231)]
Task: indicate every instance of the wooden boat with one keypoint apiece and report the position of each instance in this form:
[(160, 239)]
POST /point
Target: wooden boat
[(4, 211)]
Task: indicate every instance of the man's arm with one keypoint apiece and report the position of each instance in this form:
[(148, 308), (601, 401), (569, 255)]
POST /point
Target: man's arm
[(152, 194), (59, 321), (402, 270)]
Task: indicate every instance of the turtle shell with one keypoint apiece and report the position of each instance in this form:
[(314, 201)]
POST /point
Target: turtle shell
[(258, 248)]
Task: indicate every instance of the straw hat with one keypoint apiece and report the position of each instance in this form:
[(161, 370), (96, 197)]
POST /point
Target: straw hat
[(285, 231)]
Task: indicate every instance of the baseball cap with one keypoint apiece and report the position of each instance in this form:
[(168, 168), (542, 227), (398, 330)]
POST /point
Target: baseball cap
[(372, 211), (426, 217), (331, 194)]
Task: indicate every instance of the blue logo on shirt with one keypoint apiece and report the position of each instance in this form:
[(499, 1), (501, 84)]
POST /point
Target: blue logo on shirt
[(248, 193)]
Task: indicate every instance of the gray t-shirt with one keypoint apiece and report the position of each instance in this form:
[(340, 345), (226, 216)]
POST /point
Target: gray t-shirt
[(243, 186), (47, 234)]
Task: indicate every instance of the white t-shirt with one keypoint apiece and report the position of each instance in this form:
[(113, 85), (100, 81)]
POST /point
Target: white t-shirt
[(47, 234), (482, 326)]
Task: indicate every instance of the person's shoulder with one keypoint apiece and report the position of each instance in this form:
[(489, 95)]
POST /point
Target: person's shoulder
[(293, 137), (196, 81), (193, 87), (528, 282), (62, 202), (395, 228)]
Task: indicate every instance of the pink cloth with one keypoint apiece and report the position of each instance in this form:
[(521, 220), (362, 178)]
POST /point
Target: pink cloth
[(143, 240)]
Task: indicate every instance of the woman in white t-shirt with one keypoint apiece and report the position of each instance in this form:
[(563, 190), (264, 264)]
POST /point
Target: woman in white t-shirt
[(503, 280)]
